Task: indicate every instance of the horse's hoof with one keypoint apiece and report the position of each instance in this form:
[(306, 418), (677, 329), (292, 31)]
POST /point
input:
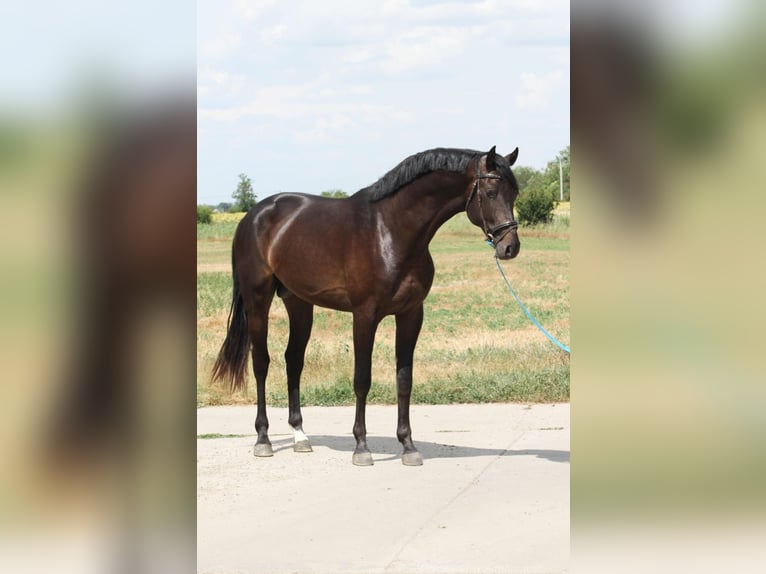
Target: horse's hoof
[(412, 458), (362, 458), (263, 449), (302, 446)]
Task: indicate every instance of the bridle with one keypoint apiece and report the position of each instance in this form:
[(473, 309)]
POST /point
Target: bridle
[(491, 233)]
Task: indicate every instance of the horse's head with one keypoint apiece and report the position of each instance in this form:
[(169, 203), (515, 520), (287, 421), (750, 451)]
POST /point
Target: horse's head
[(492, 193)]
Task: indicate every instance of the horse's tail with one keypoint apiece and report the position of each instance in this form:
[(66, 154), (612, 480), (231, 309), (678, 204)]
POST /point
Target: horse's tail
[(231, 364)]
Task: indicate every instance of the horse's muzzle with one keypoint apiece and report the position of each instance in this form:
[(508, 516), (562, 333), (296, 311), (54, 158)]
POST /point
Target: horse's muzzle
[(508, 248)]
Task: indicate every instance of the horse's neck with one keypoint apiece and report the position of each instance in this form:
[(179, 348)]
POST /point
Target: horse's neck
[(417, 211)]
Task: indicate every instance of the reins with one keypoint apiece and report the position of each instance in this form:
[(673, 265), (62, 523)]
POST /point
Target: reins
[(491, 234), (553, 339)]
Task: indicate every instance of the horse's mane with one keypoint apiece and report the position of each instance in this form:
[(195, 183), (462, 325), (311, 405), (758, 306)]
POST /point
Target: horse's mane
[(416, 166)]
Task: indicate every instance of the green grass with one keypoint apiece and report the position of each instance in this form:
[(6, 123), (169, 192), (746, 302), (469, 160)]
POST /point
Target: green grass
[(476, 345), (221, 229)]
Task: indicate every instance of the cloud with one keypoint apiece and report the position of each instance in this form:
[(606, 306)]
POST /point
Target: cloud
[(219, 46), (325, 106), (537, 90), (279, 101), (252, 9), (325, 127), (424, 47), (356, 55), (273, 34), (361, 90), (213, 83)]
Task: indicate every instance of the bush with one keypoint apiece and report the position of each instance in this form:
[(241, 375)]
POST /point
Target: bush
[(204, 214), (535, 205), (336, 193)]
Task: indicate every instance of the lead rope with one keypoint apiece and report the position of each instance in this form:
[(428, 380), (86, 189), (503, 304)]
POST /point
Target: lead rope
[(553, 339)]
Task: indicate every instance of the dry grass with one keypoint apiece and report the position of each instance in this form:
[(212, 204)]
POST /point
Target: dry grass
[(475, 345)]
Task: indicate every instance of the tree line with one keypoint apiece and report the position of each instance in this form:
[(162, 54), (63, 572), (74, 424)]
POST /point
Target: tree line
[(540, 191)]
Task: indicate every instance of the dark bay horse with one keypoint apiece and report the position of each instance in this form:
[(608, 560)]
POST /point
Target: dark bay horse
[(366, 254)]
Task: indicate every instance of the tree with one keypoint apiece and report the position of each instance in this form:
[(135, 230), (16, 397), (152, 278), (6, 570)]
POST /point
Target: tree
[(524, 175), (337, 193), (244, 198), (204, 214), (536, 203), (540, 190)]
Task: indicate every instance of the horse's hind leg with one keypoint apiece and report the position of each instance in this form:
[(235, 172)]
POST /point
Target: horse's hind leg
[(365, 325), (301, 316), (258, 327)]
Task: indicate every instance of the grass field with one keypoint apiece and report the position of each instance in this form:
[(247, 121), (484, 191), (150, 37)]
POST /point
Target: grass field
[(476, 345)]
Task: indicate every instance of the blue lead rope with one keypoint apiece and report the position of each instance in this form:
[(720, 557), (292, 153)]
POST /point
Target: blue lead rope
[(553, 339)]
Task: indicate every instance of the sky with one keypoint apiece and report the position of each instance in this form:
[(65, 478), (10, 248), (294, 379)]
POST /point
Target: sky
[(306, 96)]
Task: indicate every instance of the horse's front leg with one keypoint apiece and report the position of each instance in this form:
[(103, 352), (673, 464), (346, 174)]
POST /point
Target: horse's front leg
[(407, 330), (365, 326)]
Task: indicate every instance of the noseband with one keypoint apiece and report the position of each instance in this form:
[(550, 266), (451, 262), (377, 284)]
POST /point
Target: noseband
[(492, 232)]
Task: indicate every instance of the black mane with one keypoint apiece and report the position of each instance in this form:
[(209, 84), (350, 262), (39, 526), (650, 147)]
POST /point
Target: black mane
[(416, 166)]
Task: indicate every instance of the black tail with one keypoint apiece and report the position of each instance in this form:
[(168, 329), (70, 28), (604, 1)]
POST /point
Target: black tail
[(231, 363)]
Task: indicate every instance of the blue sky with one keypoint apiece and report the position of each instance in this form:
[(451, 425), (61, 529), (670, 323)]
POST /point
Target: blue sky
[(305, 96)]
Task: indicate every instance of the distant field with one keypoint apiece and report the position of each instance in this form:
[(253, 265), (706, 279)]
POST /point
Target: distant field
[(476, 345)]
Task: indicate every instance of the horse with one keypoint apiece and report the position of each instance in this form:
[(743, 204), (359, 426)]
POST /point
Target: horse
[(366, 254)]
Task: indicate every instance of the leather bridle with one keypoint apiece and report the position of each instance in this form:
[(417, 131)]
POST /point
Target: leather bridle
[(492, 232)]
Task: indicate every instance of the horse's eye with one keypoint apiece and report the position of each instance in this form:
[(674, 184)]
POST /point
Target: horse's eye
[(491, 193)]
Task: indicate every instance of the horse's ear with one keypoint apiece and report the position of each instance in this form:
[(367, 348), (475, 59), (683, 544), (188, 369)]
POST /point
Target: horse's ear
[(490, 161), (511, 157)]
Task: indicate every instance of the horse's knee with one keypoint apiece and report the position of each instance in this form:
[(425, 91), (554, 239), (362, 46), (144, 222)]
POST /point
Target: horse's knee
[(362, 385), (294, 366)]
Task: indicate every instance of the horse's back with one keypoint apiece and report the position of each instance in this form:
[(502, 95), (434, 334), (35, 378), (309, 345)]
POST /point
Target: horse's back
[(303, 241), (286, 218)]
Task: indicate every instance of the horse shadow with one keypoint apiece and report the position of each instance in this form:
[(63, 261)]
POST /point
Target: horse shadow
[(391, 449)]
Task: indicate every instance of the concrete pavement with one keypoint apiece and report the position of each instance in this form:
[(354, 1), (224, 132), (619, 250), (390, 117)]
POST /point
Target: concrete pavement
[(492, 495)]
